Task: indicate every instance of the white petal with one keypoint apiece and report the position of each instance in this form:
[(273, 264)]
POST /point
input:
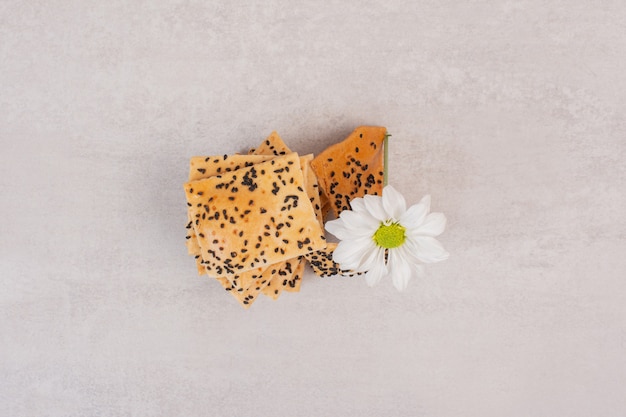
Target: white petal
[(433, 225), (410, 250), (358, 205), (342, 231), (371, 256), (339, 229), (426, 249), (399, 268), (349, 253), (393, 202), (374, 205), (378, 269), (359, 223), (417, 269), (415, 215)]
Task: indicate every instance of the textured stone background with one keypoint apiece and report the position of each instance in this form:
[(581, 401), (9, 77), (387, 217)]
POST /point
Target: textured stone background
[(511, 114)]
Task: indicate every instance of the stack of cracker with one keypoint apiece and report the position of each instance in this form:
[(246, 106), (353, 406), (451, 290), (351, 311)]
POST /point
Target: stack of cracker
[(255, 220), (252, 218)]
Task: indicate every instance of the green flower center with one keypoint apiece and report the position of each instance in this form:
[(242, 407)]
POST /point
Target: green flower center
[(390, 236)]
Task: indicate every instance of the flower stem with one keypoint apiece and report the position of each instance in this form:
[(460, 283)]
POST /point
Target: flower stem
[(386, 160)]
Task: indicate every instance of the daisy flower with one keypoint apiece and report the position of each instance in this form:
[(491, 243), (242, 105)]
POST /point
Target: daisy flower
[(382, 238)]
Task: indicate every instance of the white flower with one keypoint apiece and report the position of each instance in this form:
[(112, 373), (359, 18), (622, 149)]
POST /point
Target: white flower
[(380, 237)]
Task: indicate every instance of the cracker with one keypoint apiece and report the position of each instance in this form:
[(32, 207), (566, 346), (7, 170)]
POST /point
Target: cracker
[(323, 265), (352, 168), (273, 145), (249, 295), (254, 216), (293, 284)]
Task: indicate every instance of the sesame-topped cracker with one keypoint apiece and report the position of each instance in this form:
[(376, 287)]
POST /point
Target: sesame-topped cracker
[(248, 295), (282, 271), (272, 145), (293, 284), (323, 265), (245, 280), (254, 216), (312, 187), (288, 278), (290, 272), (352, 168), (206, 166), (274, 287), (325, 203), (201, 167)]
